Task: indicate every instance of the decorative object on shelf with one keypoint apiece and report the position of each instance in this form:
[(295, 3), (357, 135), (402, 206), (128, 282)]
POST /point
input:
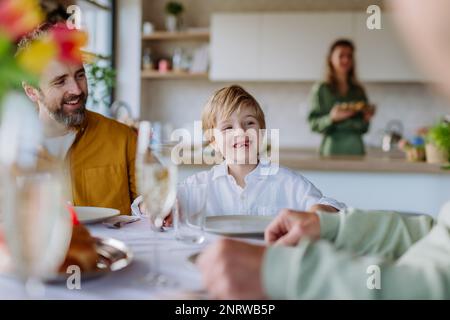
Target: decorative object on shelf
[(163, 66), (200, 61), (155, 74), (121, 111), (414, 149), (177, 36), (102, 79), (392, 135), (438, 142), (177, 60), (147, 28), (173, 16), (147, 62)]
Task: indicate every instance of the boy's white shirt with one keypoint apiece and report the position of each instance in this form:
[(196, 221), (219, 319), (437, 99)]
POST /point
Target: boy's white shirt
[(263, 194)]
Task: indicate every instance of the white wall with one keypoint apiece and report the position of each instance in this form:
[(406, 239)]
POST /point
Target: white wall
[(128, 52), (286, 106)]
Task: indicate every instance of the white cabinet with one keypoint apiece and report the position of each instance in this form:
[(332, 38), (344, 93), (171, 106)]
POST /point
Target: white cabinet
[(380, 54), (235, 47), (293, 47)]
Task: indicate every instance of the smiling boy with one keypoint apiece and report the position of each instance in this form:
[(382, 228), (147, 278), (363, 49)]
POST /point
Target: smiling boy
[(244, 183)]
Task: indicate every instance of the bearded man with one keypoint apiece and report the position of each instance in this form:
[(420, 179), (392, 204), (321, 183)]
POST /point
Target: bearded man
[(99, 153)]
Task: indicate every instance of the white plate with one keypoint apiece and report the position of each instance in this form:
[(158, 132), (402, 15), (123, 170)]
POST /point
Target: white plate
[(237, 225), (95, 214)]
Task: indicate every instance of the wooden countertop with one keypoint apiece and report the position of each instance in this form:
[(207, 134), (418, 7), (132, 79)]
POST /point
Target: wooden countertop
[(375, 161)]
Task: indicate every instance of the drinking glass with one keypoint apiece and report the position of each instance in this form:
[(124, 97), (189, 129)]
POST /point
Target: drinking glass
[(37, 226), (190, 212), (157, 182), (35, 222)]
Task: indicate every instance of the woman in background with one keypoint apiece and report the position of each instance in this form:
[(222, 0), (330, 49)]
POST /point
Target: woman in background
[(340, 109)]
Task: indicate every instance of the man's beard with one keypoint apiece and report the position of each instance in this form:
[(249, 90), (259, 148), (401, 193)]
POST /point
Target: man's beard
[(73, 119)]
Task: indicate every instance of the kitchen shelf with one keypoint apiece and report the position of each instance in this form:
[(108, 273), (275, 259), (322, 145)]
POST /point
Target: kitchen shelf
[(153, 74), (164, 35), (97, 4)]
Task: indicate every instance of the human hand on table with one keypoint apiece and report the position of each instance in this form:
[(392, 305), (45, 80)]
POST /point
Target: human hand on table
[(289, 227), (232, 270), (168, 220)]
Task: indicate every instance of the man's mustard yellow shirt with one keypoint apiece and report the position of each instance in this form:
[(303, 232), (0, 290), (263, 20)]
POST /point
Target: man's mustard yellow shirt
[(101, 162)]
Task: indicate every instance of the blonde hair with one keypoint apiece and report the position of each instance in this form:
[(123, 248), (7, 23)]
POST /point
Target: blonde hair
[(224, 103)]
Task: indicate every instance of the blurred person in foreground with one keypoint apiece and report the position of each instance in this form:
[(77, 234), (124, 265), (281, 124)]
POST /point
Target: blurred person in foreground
[(353, 254)]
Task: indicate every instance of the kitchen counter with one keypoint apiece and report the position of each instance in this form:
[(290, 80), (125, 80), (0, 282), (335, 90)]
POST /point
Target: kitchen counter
[(376, 181), (374, 161)]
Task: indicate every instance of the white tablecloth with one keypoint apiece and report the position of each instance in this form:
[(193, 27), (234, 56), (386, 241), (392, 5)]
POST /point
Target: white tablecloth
[(130, 282)]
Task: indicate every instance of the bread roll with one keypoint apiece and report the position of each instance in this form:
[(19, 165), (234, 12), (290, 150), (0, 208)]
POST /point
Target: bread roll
[(82, 250)]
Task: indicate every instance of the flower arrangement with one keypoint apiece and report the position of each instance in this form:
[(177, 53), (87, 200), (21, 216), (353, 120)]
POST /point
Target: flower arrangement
[(19, 17)]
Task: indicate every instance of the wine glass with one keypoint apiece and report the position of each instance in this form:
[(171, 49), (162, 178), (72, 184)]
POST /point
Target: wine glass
[(36, 225), (157, 183)]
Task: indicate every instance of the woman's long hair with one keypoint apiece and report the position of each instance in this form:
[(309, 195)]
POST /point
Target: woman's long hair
[(330, 75)]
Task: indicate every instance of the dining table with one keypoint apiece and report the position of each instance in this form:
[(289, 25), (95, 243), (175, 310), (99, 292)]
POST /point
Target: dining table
[(151, 251)]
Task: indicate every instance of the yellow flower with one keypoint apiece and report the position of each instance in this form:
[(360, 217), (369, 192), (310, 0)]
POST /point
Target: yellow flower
[(37, 56)]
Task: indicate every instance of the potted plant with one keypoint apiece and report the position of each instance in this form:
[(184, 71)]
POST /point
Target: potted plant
[(102, 79), (173, 16), (438, 143)]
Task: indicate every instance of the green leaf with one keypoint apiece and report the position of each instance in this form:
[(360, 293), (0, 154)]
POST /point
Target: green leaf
[(440, 135), (174, 8), (5, 47), (102, 79)]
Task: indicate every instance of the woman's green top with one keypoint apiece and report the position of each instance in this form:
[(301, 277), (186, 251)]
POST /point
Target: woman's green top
[(342, 138)]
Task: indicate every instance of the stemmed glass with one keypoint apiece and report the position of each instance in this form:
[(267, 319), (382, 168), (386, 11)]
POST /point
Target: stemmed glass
[(157, 183), (36, 224)]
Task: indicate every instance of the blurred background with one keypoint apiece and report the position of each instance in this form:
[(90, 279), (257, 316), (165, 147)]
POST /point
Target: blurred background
[(162, 60)]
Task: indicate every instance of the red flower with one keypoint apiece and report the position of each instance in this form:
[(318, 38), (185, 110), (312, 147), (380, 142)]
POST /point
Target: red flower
[(70, 42), (18, 17)]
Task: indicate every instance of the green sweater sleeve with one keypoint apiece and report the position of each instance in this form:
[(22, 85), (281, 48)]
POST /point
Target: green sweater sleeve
[(319, 116), (319, 271), (322, 101), (387, 234)]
